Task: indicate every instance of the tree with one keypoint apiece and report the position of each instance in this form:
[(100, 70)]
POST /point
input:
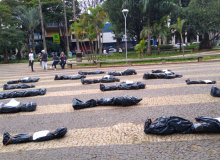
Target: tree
[(179, 28), (29, 19), (203, 17), (160, 29), (140, 47), (10, 38), (153, 10)]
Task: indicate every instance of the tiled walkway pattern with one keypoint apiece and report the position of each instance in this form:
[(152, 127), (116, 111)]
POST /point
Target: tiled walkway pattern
[(113, 132)]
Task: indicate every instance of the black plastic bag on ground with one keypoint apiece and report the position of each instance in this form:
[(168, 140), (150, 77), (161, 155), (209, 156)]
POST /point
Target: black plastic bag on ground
[(200, 82), (44, 135), (28, 80), (116, 101), (94, 72), (109, 78), (207, 125), (18, 86), (89, 81), (162, 71), (215, 92), (128, 85), (119, 101), (125, 72), (77, 77), (77, 104), (64, 77), (23, 93), (14, 106), (24, 80), (168, 125), (104, 79), (167, 74)]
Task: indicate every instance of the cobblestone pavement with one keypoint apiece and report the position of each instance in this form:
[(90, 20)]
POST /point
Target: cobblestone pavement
[(113, 132)]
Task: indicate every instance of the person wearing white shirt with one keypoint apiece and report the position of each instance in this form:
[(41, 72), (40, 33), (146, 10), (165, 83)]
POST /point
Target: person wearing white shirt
[(31, 60)]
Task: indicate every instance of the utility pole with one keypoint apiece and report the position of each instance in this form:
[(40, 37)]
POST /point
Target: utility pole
[(42, 27), (67, 39)]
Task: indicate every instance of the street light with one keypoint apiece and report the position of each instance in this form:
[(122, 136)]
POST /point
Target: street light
[(125, 13)]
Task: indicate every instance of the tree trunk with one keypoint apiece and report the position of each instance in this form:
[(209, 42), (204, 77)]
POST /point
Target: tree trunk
[(6, 55), (181, 37), (117, 45), (148, 45), (148, 34), (205, 44), (100, 45), (66, 29), (33, 44), (180, 44), (42, 27)]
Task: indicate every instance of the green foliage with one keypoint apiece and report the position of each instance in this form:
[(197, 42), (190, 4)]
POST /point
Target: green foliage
[(10, 38), (140, 47), (165, 46), (192, 46), (51, 47)]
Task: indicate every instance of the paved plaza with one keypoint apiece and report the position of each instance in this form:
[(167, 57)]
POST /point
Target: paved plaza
[(113, 132)]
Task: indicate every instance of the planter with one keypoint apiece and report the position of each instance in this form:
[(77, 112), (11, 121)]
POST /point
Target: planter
[(78, 57), (195, 49)]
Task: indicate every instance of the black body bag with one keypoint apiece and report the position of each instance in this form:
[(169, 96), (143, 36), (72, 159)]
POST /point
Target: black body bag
[(123, 86), (14, 106), (125, 72), (104, 79), (24, 80), (36, 136), (173, 124), (23, 93), (18, 86), (200, 82), (115, 101), (64, 77), (94, 72)]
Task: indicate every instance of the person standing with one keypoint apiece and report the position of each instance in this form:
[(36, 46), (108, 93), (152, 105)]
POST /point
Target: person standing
[(63, 59), (31, 60), (44, 60)]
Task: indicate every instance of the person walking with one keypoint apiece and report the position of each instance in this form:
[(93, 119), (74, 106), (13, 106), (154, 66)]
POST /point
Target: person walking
[(44, 60), (63, 59), (55, 61), (31, 60)]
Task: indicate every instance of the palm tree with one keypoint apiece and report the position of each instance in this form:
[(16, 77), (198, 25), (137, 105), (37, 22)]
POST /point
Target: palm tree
[(140, 47), (179, 27), (144, 34), (29, 19)]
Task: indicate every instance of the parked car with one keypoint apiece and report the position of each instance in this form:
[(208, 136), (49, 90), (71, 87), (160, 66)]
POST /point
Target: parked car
[(111, 50), (178, 45)]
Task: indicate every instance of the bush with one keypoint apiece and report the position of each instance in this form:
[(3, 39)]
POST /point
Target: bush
[(192, 46), (165, 46), (130, 49)]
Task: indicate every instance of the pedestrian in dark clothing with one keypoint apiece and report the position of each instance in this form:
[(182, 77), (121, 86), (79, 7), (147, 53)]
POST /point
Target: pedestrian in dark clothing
[(44, 60), (55, 61), (31, 60), (63, 59)]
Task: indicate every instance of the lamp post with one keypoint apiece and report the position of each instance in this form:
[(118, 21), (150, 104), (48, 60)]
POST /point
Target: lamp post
[(125, 13)]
